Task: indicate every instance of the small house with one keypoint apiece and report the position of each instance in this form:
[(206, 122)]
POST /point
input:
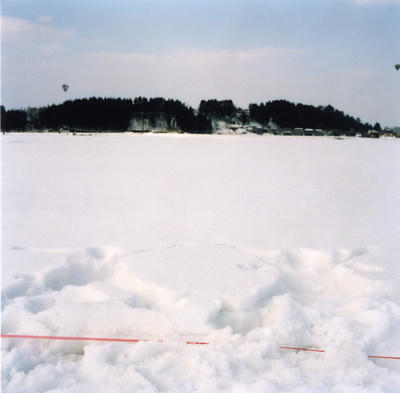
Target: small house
[(298, 131)]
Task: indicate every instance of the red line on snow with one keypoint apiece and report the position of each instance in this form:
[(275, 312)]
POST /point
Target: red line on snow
[(197, 342), (321, 350), (66, 338), (384, 357), (303, 349), (136, 340)]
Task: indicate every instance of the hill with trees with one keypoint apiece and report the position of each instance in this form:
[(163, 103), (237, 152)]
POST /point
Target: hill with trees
[(289, 115), (143, 114)]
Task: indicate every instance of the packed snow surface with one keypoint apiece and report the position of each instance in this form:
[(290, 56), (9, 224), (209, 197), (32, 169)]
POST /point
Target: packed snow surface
[(246, 242)]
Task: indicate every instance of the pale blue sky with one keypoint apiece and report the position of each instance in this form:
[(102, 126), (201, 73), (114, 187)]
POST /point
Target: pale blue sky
[(318, 52)]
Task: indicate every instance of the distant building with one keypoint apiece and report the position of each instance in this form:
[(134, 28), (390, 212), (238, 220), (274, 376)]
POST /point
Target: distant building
[(318, 132), (336, 133), (373, 134), (351, 133)]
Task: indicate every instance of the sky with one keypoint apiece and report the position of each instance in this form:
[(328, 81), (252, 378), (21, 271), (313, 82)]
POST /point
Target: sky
[(319, 52)]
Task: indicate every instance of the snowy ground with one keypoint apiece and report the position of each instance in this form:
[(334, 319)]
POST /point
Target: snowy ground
[(246, 242)]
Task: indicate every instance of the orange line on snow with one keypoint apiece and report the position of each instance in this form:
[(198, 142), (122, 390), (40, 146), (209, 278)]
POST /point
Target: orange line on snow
[(384, 357), (66, 338), (303, 349), (321, 350), (136, 340)]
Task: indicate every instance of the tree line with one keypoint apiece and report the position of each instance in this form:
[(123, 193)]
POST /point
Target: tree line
[(116, 114), (290, 115)]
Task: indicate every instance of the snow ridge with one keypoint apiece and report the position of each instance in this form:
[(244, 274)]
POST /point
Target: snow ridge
[(245, 302)]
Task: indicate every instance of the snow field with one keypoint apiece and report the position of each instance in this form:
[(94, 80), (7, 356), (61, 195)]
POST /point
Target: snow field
[(250, 254)]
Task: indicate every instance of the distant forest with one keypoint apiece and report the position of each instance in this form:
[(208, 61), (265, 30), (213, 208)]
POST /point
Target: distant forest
[(141, 114)]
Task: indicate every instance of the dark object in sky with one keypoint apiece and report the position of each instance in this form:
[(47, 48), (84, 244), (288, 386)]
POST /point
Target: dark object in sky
[(65, 87), (397, 66)]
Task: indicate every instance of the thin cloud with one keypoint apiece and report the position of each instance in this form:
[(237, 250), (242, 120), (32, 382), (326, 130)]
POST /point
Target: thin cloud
[(45, 18), (27, 35), (190, 74)]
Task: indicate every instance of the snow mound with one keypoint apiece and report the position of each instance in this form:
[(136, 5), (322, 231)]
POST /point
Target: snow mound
[(245, 302)]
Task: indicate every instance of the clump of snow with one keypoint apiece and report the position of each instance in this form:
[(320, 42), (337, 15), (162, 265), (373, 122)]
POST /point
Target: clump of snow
[(246, 243)]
